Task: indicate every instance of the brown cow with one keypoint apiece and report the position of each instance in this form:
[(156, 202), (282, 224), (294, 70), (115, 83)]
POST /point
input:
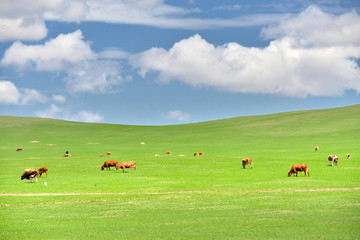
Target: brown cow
[(333, 159), (129, 164), (19, 149), (317, 148), (108, 164), (101, 155), (109, 153), (201, 153), (196, 154), (67, 155), (168, 153), (42, 170), (247, 161), (299, 168), (348, 156), (29, 174)]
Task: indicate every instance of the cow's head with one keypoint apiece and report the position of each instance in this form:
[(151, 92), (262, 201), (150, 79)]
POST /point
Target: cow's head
[(102, 167), (289, 173)]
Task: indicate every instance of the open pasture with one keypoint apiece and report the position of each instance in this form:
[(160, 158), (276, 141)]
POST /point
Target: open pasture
[(181, 196)]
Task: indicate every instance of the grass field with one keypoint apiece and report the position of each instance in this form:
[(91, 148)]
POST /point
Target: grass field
[(184, 197)]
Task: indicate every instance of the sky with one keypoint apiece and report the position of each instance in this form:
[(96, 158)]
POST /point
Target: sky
[(158, 62)]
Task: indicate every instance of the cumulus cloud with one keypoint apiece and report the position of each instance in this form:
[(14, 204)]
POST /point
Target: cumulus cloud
[(288, 66), (178, 115), (54, 55), (69, 53), (10, 94), (59, 113), (313, 27)]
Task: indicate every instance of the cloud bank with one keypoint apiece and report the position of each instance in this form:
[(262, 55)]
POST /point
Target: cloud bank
[(295, 64)]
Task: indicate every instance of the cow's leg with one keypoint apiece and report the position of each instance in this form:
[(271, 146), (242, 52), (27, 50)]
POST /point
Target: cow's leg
[(135, 168)]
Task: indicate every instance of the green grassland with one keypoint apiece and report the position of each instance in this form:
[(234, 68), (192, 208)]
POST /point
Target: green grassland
[(182, 196)]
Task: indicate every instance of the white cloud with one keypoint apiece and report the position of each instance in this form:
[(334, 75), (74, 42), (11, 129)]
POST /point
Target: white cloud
[(294, 65), (23, 21), (59, 113), (51, 112), (59, 98), (85, 116), (313, 27), (94, 76), (10, 94), (178, 115), (71, 54), (24, 28), (55, 54)]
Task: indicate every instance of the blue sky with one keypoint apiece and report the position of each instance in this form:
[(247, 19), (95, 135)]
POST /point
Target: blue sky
[(157, 62)]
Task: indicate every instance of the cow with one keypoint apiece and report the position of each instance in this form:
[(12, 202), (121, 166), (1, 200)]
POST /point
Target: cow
[(196, 154), (201, 154), (247, 161), (333, 159), (19, 149), (129, 164), (42, 170), (168, 153), (29, 174), (317, 148), (101, 155), (67, 155), (348, 156), (109, 153), (299, 168), (108, 164)]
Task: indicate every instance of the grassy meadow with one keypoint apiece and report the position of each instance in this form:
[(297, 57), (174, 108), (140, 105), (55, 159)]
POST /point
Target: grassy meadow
[(182, 196)]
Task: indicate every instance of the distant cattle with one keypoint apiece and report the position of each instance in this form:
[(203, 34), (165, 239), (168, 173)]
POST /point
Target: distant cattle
[(101, 155), (247, 161), (29, 174), (317, 148), (348, 156), (201, 153), (299, 168), (108, 164), (19, 149), (67, 155), (129, 164), (109, 153), (168, 153), (42, 170), (333, 159), (196, 154)]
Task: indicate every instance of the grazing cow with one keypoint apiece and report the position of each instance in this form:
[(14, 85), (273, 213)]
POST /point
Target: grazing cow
[(129, 164), (196, 154), (19, 149), (109, 153), (299, 168), (168, 153), (348, 156), (42, 170), (317, 148), (201, 153), (108, 164), (29, 174), (247, 161), (333, 159), (101, 155), (67, 155)]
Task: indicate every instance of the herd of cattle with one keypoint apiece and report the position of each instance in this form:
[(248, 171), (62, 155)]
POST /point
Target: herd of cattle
[(32, 174)]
